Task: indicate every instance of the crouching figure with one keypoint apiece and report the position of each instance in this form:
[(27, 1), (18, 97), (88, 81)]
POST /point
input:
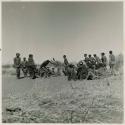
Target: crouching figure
[(71, 72)]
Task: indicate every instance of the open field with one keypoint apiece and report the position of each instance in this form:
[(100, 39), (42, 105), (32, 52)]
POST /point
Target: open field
[(56, 100)]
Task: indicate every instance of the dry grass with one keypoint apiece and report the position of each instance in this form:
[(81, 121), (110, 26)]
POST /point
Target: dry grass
[(96, 101)]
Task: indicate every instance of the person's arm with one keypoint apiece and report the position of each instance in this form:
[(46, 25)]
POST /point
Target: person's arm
[(54, 62), (53, 59)]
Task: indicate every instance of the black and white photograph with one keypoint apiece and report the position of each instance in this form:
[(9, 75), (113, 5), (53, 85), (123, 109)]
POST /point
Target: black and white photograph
[(62, 62)]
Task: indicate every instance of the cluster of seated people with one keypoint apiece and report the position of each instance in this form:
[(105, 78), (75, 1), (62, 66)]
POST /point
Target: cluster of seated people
[(88, 68)]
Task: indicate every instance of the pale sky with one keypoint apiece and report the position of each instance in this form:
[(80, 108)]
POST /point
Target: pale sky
[(52, 29)]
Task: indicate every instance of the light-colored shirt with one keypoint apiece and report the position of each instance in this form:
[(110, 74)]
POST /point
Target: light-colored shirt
[(111, 59)]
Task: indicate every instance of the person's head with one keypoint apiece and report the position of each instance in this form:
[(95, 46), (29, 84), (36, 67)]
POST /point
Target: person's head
[(89, 55), (30, 56), (47, 67), (85, 55), (17, 54), (110, 52), (103, 54), (24, 59), (71, 65), (64, 56), (94, 55)]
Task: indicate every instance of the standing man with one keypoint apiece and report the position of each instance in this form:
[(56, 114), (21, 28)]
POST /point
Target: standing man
[(104, 60), (65, 60), (17, 64), (86, 59), (66, 63), (97, 61), (24, 66), (31, 66), (112, 62)]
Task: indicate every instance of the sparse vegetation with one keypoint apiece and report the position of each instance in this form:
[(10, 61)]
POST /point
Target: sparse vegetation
[(82, 102), (95, 101)]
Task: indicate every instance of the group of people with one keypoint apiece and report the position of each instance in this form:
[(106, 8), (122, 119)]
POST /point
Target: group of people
[(88, 68), (27, 66), (85, 69)]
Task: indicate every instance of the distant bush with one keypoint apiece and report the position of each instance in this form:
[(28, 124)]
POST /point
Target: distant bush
[(8, 70), (7, 66)]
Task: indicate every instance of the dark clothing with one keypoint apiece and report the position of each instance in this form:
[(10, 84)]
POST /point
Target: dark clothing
[(31, 67), (98, 60), (82, 72), (25, 70), (86, 60), (17, 62), (98, 63), (45, 72), (91, 62), (24, 66), (18, 72), (45, 63), (66, 61), (32, 70), (17, 65), (31, 62), (71, 74)]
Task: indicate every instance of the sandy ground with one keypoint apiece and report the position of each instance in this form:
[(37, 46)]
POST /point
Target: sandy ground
[(56, 100), (11, 85)]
